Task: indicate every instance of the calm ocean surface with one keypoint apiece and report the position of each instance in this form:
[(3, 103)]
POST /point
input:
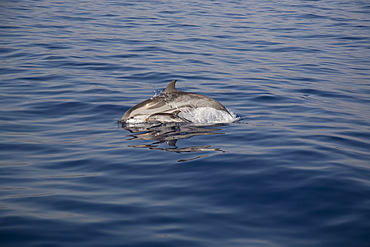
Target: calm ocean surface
[(293, 171)]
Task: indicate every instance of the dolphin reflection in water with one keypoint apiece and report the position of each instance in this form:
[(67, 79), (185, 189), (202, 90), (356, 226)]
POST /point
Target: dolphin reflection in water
[(173, 106), (169, 134)]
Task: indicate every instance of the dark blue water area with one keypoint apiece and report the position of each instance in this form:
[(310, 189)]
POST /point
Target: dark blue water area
[(293, 171)]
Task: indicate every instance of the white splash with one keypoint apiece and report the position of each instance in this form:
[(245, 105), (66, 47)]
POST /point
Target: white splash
[(208, 115)]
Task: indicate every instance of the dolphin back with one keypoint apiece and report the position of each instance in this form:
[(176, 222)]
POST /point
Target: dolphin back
[(169, 104)]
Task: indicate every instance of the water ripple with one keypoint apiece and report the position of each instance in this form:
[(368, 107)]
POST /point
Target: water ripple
[(295, 166)]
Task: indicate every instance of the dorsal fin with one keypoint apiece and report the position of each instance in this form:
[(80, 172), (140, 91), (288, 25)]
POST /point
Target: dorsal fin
[(171, 87)]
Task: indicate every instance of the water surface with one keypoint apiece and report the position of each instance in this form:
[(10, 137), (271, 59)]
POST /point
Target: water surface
[(294, 171)]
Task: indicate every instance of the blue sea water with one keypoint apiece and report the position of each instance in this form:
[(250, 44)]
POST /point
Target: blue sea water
[(293, 171)]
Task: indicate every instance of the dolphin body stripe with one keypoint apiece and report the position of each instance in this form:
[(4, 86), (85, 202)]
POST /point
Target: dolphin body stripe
[(166, 106)]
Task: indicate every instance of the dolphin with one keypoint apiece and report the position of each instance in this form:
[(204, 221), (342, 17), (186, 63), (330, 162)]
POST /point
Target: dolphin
[(165, 108)]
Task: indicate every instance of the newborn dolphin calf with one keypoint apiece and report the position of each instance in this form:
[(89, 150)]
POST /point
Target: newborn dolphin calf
[(167, 106)]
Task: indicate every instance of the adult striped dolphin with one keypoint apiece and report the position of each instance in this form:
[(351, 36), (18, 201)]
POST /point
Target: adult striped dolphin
[(168, 106)]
